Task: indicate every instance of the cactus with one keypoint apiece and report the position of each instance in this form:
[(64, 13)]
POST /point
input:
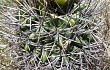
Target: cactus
[(53, 34)]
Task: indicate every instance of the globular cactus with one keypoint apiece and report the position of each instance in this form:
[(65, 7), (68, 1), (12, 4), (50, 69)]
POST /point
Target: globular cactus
[(50, 29), (54, 33)]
